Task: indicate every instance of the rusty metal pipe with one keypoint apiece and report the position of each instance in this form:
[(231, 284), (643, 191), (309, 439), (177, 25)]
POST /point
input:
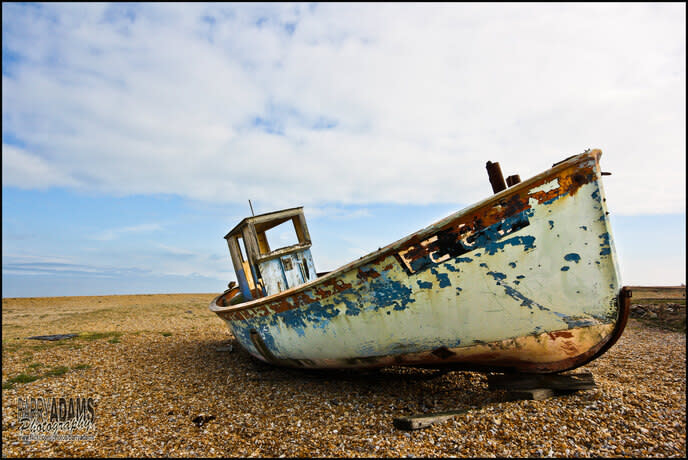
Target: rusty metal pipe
[(513, 180), (494, 172)]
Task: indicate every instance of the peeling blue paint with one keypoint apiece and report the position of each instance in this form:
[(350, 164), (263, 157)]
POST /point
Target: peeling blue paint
[(424, 284), (316, 314), (551, 224), (458, 290), (443, 278), (520, 277), (388, 292), (491, 238), (584, 227), (525, 301), (465, 259), (572, 257), (565, 268), (268, 339), (512, 264), (451, 268), (606, 248), (383, 293), (574, 322), (497, 275), (483, 265), (528, 242), (596, 195)]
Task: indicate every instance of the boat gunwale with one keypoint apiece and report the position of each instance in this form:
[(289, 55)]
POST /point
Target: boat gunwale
[(420, 234)]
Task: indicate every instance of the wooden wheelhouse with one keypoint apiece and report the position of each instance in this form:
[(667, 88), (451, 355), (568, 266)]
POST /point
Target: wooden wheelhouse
[(260, 269)]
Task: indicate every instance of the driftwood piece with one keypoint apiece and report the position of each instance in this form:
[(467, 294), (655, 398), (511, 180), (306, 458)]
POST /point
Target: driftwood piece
[(582, 381), (416, 422)]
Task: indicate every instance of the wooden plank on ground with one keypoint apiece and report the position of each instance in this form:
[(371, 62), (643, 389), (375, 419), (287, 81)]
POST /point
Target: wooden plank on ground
[(520, 386), (582, 381)]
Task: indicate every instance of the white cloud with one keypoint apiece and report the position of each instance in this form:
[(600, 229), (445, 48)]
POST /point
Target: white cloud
[(336, 213), (28, 171), (16, 258), (159, 261), (175, 251), (114, 233), (348, 103)]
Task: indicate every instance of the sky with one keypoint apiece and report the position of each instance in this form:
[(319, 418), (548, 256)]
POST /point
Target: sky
[(133, 135)]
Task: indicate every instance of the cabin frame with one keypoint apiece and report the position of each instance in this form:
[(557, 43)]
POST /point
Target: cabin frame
[(261, 270)]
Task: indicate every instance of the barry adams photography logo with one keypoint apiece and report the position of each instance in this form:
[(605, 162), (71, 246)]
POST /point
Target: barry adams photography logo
[(56, 419)]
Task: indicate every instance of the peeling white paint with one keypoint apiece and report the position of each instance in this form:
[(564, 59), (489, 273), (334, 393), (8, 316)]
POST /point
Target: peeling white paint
[(546, 187)]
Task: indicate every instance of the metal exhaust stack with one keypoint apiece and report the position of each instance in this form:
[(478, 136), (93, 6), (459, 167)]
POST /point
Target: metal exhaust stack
[(495, 174)]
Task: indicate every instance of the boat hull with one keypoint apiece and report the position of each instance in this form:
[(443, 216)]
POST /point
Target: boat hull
[(523, 281)]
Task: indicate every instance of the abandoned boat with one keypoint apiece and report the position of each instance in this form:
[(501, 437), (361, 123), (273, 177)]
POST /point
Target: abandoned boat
[(523, 281)]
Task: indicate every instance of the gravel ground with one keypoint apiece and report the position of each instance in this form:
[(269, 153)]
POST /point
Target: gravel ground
[(162, 388)]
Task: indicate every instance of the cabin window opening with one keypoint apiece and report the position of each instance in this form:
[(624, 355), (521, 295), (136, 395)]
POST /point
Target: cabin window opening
[(278, 237), (242, 248), (248, 273)]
